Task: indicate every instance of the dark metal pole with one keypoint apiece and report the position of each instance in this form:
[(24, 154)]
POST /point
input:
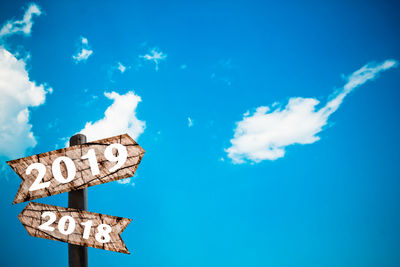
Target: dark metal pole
[(77, 255)]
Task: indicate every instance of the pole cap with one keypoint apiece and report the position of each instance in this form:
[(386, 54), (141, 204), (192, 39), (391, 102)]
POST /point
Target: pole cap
[(77, 139)]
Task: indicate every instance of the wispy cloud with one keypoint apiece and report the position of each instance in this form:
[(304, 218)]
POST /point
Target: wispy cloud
[(17, 95), (117, 67), (223, 71), (90, 100), (127, 181), (84, 51), (190, 122), (23, 26), (119, 118), (124, 181), (54, 124), (265, 134), (121, 67), (154, 55)]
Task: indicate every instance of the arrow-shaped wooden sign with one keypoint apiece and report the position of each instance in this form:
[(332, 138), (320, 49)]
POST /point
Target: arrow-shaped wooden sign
[(74, 226), (76, 167)]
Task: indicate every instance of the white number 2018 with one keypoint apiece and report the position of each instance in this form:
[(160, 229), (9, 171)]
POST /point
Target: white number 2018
[(103, 230)]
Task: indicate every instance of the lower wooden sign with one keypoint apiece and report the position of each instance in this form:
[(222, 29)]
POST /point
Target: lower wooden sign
[(75, 226)]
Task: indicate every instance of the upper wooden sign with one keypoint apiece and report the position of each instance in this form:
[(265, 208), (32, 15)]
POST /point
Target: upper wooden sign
[(76, 167)]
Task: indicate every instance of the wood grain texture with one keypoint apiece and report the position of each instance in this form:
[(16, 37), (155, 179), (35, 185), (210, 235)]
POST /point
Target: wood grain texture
[(31, 219), (84, 177)]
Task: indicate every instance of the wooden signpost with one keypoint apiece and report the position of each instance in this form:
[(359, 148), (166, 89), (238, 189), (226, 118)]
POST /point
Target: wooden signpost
[(72, 170), (76, 167), (74, 226)]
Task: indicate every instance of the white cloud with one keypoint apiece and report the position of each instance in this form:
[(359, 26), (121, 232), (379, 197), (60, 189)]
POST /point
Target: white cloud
[(190, 122), (17, 95), (84, 52), (23, 26), (119, 118), (117, 67), (121, 67), (124, 181), (127, 181), (84, 41), (265, 134), (155, 56)]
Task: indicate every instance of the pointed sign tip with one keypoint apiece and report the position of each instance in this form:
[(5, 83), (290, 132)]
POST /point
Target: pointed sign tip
[(18, 200)]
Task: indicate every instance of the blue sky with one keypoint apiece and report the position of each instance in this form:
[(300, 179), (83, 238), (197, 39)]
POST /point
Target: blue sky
[(270, 129)]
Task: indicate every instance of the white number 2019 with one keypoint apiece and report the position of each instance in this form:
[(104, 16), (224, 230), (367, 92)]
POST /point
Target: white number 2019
[(119, 158)]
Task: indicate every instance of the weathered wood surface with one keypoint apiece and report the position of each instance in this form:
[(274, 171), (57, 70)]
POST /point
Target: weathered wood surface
[(84, 177), (31, 219)]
